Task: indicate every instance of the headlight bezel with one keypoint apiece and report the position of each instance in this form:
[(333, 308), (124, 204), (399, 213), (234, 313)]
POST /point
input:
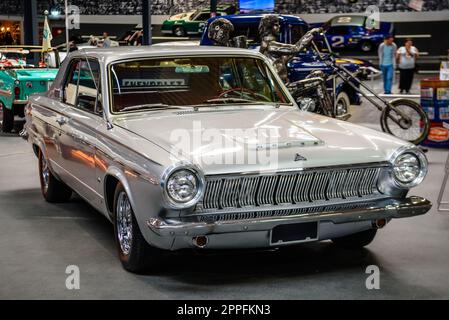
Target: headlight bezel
[(423, 167), (169, 172)]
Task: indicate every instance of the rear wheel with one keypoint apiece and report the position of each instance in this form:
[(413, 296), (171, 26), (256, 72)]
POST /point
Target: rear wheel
[(356, 240), (134, 252), (52, 189), (366, 46), (6, 118), (179, 31), (411, 124), (343, 104)]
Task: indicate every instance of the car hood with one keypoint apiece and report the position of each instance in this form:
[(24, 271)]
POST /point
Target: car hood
[(182, 16), (259, 138), (35, 74)]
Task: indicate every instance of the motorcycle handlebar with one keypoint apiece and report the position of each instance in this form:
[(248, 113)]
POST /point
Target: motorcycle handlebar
[(307, 39)]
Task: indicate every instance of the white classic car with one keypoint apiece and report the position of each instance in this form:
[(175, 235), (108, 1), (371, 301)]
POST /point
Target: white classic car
[(205, 148)]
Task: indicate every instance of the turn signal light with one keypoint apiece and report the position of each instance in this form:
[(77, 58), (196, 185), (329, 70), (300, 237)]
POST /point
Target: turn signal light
[(17, 92)]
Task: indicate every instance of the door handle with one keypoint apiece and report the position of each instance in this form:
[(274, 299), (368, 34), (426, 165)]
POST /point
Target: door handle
[(61, 121)]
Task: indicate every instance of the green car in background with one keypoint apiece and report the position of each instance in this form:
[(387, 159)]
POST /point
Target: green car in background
[(19, 80), (192, 22)]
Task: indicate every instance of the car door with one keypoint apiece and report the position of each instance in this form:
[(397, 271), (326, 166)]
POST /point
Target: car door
[(355, 35), (337, 36), (198, 24), (82, 95)]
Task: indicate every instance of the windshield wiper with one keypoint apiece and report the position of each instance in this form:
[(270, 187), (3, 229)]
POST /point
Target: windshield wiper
[(230, 100), (150, 106)]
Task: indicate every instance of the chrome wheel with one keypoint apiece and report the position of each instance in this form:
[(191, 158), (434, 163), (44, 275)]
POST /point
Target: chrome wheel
[(45, 173), (342, 107), (406, 120), (179, 32), (124, 222), (367, 47), (343, 104)]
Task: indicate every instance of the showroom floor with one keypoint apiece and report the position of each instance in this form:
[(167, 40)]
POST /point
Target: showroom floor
[(39, 240)]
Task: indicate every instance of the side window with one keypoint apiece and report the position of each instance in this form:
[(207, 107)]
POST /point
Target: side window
[(89, 92), (296, 33), (249, 31), (354, 30), (202, 17), (339, 30), (71, 84), (82, 88)]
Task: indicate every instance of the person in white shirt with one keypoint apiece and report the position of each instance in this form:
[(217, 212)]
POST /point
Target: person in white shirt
[(407, 56)]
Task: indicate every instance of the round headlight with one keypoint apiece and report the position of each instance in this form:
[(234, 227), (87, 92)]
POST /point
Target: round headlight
[(182, 186), (409, 169)]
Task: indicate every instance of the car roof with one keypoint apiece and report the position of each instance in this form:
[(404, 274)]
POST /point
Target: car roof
[(235, 18), (108, 55), (348, 20)]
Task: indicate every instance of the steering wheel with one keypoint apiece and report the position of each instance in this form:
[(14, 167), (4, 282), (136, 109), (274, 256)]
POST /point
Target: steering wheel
[(251, 92)]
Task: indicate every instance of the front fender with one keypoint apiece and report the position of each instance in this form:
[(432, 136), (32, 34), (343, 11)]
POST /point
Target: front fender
[(145, 197), (118, 174)]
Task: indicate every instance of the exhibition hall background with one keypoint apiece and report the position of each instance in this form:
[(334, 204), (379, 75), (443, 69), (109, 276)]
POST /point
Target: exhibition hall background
[(425, 26), (166, 7)]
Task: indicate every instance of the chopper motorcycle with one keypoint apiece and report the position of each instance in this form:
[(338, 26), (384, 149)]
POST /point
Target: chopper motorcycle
[(402, 118)]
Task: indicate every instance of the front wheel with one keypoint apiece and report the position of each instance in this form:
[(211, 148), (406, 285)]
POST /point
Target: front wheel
[(406, 120), (343, 104), (366, 46), (179, 31), (134, 252)]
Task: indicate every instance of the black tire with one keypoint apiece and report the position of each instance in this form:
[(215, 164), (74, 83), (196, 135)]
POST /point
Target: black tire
[(420, 123), (366, 46), (356, 240), (7, 118), (343, 99), (179, 31), (52, 189), (139, 256)]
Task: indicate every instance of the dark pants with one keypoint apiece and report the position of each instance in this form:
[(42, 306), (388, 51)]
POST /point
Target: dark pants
[(406, 79)]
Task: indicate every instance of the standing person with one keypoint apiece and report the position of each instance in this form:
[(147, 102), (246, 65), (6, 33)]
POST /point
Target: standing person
[(106, 40), (92, 41), (387, 61), (407, 56)]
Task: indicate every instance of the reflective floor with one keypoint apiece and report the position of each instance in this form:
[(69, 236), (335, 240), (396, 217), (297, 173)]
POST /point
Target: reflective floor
[(39, 240)]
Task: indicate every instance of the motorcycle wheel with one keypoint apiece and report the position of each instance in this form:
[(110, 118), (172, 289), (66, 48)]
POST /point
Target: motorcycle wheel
[(415, 129)]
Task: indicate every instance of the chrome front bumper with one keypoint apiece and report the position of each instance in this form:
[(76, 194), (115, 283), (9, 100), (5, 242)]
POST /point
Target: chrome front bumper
[(251, 233)]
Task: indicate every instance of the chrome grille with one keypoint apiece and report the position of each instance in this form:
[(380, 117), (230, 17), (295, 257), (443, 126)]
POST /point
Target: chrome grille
[(309, 186), (229, 216)]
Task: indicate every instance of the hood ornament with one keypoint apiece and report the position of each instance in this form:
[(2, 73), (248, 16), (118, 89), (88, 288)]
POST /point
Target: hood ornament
[(299, 157)]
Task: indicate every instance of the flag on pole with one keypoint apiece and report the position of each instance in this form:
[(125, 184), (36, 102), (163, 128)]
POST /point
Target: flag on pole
[(46, 41)]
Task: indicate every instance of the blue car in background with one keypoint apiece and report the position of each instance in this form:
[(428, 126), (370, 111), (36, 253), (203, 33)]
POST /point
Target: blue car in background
[(292, 29), (352, 32)]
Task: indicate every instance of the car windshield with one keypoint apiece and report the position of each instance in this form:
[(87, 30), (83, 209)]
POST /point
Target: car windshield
[(12, 58), (193, 81)]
